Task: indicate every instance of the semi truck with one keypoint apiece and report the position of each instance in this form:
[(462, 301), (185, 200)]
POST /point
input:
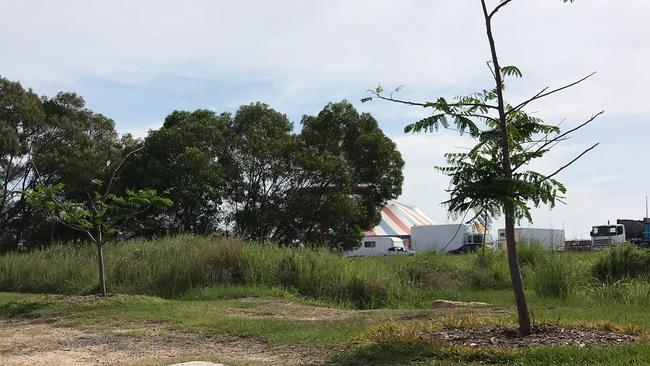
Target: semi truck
[(552, 239), (631, 231), (451, 238)]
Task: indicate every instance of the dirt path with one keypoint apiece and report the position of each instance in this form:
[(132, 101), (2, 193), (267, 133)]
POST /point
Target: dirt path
[(44, 342)]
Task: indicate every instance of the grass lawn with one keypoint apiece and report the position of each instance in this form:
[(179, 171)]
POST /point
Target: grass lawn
[(339, 336)]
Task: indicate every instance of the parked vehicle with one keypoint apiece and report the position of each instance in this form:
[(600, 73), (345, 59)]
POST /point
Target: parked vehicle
[(552, 239), (375, 245), (397, 251), (632, 231), (452, 238)]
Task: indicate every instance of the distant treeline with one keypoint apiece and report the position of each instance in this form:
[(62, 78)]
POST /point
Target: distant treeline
[(247, 175)]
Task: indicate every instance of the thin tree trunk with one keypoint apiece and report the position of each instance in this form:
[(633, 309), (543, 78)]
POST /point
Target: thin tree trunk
[(508, 205), (100, 267), (515, 272)]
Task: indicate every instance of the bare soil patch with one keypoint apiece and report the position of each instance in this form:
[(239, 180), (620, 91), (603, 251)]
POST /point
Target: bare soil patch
[(265, 308), (543, 335), (46, 343), (446, 304)]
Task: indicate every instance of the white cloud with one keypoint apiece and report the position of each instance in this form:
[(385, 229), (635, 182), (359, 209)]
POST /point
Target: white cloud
[(301, 54), (143, 131)]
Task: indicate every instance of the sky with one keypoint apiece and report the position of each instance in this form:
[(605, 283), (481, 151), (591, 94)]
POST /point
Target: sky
[(136, 61)]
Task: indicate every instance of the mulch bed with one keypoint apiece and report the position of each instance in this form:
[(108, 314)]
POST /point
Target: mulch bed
[(542, 335)]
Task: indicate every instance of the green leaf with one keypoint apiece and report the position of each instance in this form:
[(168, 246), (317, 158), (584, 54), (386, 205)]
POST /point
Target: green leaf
[(511, 71)]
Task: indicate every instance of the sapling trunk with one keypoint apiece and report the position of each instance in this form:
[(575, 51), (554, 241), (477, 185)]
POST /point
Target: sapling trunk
[(508, 205), (515, 272), (100, 265)]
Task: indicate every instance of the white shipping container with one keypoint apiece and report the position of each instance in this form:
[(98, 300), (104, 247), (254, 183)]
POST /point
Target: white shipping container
[(374, 245), (444, 238), (552, 239)]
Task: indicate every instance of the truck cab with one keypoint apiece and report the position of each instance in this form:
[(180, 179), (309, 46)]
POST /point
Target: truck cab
[(606, 236)]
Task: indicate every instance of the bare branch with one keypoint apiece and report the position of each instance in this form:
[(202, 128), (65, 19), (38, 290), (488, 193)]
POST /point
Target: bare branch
[(506, 2), (544, 93), (72, 226), (480, 212), (494, 75), (561, 137), (571, 162), (391, 99), (428, 105), (112, 180)]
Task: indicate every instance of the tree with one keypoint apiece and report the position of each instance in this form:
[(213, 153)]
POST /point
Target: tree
[(324, 187), (22, 120), (183, 158), (68, 143), (491, 176), (350, 170), (101, 217), (258, 162)]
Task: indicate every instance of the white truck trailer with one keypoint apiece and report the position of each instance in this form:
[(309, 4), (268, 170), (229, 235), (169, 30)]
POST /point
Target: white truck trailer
[(552, 239), (374, 245), (453, 238)]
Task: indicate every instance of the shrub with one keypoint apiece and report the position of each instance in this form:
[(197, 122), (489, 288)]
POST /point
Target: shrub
[(623, 262)]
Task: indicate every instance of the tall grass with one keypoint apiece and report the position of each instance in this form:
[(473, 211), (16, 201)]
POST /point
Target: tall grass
[(628, 292), (487, 270), (622, 262), (553, 275), (198, 268), (170, 267)]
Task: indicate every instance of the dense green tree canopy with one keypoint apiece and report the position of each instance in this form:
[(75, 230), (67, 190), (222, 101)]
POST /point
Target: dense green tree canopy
[(250, 174), (359, 169), (183, 159), (47, 140), (324, 186)]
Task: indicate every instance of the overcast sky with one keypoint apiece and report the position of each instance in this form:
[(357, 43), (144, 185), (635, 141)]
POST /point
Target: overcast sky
[(136, 61)]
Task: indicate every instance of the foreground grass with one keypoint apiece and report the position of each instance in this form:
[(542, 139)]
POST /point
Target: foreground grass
[(349, 337), (208, 317), (318, 300)]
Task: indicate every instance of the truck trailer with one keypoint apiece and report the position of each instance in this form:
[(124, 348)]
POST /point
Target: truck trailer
[(451, 238), (552, 239), (631, 231)]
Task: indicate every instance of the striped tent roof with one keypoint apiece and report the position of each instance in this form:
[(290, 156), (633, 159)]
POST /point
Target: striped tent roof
[(397, 219)]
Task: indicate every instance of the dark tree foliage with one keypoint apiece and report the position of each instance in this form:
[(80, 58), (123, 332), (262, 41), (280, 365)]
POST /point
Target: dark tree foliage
[(248, 175), (51, 141), (259, 164), (325, 186), (183, 159), (358, 169)]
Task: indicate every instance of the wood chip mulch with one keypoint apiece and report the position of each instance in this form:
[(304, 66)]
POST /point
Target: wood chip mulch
[(542, 335)]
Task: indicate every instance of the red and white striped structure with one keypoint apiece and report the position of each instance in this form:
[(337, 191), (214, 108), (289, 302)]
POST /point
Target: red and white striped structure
[(397, 220)]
